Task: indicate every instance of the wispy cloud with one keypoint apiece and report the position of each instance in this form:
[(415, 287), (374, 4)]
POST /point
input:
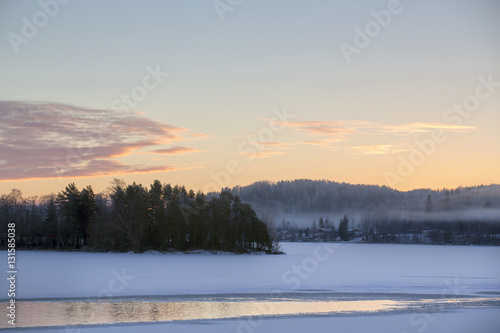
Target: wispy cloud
[(277, 145), (327, 133), (379, 149), (273, 144), (177, 150), (50, 140), (413, 128), (322, 142), (261, 153), (333, 130)]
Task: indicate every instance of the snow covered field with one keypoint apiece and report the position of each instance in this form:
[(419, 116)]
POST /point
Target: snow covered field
[(330, 267), (306, 268), (470, 321)]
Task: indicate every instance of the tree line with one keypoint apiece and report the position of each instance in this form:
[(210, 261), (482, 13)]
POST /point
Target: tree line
[(324, 230), (399, 231), (314, 196), (134, 218)]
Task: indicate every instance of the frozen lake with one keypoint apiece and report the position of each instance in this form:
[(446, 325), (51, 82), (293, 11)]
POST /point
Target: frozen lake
[(192, 308), (312, 279), (326, 267)]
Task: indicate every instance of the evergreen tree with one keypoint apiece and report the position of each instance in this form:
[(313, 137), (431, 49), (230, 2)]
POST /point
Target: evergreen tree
[(344, 228), (135, 218), (428, 206), (51, 229), (68, 202)]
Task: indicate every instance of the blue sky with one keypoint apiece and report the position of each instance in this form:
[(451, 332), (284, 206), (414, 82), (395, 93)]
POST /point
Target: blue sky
[(227, 76)]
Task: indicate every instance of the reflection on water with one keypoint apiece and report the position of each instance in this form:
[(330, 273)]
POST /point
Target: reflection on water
[(31, 314)]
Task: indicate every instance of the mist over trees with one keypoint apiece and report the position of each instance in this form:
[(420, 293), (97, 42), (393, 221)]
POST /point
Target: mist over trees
[(465, 215), (344, 228), (323, 196), (164, 217), (134, 218)]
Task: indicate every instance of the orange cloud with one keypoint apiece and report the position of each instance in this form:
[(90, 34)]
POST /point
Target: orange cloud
[(261, 153), (379, 149), (334, 130), (279, 145), (425, 128), (273, 144), (201, 136), (326, 133)]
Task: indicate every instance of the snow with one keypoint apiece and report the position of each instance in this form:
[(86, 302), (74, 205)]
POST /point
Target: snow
[(333, 267), (307, 267), (468, 320)]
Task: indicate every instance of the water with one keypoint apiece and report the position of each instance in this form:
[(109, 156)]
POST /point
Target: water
[(134, 310)]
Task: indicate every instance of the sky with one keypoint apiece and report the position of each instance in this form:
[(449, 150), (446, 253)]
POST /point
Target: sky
[(210, 94)]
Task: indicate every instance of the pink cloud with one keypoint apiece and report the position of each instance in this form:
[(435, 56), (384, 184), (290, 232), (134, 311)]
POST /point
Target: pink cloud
[(175, 151), (334, 130), (50, 140), (326, 133)]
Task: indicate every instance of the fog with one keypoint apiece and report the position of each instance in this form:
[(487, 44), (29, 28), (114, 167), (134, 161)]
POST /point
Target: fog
[(303, 220)]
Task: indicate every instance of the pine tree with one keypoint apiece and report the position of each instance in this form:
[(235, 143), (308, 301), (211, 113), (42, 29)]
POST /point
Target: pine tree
[(344, 228), (428, 206)]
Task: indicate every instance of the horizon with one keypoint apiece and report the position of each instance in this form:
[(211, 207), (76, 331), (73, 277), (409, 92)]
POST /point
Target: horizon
[(103, 191), (388, 93)]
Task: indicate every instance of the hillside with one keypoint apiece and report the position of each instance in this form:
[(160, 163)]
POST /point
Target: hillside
[(302, 198)]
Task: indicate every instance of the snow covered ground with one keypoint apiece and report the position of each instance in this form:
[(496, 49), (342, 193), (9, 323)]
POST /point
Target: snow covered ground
[(306, 268), (462, 321), (333, 267)]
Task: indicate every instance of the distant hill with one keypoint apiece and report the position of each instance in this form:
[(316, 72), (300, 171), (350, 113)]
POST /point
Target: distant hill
[(312, 197)]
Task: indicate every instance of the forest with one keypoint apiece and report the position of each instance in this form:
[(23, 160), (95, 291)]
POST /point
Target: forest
[(395, 231), (312, 210), (134, 218), (163, 217), (313, 196)]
